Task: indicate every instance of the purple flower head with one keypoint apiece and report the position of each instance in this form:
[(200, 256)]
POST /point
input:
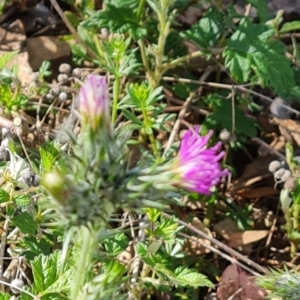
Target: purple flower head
[(198, 165), (94, 101)]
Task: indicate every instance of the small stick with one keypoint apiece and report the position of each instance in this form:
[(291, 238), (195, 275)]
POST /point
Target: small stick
[(221, 245)]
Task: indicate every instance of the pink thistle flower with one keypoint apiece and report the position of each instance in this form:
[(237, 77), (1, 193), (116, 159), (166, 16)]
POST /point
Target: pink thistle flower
[(94, 102), (199, 166)]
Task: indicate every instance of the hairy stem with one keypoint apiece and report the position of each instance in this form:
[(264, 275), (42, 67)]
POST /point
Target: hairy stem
[(116, 91)]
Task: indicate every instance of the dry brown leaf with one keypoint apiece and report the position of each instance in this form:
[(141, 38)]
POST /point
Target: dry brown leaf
[(193, 246), (257, 192), (246, 237), (289, 129), (235, 281)]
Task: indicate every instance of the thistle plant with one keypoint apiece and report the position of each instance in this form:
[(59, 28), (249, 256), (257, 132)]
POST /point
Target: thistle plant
[(95, 180), (282, 283)]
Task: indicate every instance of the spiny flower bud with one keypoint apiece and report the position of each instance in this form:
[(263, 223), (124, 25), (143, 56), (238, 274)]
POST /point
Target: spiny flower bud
[(94, 102), (197, 164), (54, 182)]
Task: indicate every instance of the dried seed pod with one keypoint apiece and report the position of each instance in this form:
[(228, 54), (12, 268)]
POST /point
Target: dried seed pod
[(55, 91), (28, 177), (49, 96), (279, 173), (65, 68), (279, 109), (76, 72), (274, 166), (36, 180), (290, 184), (225, 136), (63, 78), (16, 285), (63, 96), (4, 154), (287, 174)]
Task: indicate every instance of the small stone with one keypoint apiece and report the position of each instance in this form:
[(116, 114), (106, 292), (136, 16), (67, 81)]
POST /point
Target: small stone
[(63, 78), (16, 285), (63, 96), (65, 68), (76, 72)]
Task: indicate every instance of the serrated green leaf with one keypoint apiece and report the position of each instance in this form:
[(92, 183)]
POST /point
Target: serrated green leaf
[(6, 57), (6, 74), (239, 65), (25, 222), (166, 228), (4, 296), (45, 271), (191, 277), (49, 155), (117, 20), (208, 30), (4, 196), (36, 246), (262, 9), (22, 200), (116, 244), (184, 276), (152, 213), (251, 46), (142, 251)]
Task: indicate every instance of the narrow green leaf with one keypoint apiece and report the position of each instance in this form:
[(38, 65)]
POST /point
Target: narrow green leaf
[(130, 116), (290, 26)]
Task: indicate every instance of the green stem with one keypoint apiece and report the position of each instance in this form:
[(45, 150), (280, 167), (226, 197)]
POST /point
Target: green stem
[(98, 46), (296, 208), (116, 91), (164, 29), (289, 225), (209, 213), (140, 9), (81, 262), (184, 59), (151, 135)]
